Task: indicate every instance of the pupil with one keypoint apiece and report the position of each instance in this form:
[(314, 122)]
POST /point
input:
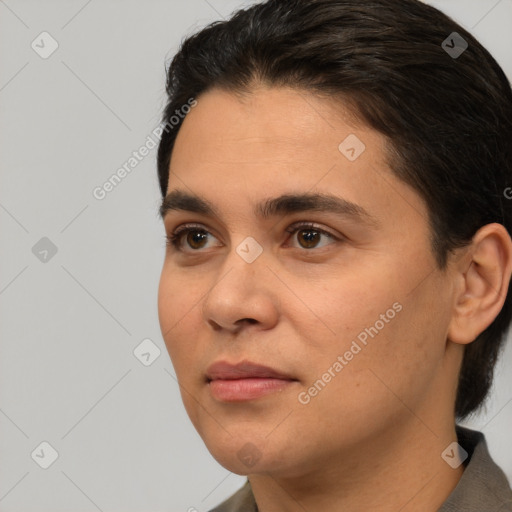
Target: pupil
[(311, 239), (196, 236)]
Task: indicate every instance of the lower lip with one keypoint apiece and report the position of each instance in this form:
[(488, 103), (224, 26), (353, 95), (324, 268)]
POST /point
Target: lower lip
[(239, 390)]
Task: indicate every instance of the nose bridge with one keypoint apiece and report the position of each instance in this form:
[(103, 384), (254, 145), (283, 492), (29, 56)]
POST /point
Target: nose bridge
[(245, 265), (249, 250)]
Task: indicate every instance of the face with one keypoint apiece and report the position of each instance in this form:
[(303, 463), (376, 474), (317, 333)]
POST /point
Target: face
[(328, 322)]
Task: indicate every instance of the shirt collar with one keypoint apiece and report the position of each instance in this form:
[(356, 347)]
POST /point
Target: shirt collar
[(483, 485)]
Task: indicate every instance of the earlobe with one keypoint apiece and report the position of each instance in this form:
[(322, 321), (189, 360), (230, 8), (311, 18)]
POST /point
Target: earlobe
[(483, 283)]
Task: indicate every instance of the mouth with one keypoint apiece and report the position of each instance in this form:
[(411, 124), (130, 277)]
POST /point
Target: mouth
[(245, 381)]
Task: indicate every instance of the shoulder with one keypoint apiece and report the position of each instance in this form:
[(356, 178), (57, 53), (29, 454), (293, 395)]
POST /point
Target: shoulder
[(241, 501)]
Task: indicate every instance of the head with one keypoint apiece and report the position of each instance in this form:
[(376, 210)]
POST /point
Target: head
[(406, 279)]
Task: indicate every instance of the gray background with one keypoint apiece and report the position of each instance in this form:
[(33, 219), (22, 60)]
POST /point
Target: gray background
[(71, 320)]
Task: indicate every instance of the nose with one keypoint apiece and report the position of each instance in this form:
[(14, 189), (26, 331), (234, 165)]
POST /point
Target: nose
[(244, 295)]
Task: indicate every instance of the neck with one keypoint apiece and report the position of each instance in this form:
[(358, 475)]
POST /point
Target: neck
[(401, 469)]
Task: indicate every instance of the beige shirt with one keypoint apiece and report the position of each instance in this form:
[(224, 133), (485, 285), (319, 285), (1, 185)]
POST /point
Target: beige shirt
[(482, 488)]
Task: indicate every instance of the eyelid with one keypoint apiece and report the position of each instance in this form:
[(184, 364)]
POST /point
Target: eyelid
[(307, 224), (185, 227)]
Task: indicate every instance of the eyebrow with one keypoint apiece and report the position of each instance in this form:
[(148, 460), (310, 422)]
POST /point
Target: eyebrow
[(179, 200)]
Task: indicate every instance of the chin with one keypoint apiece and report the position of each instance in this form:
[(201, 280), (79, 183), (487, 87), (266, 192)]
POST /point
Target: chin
[(249, 453), (241, 451), (246, 460)]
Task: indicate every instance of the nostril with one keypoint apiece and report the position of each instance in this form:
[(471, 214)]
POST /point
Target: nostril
[(239, 323)]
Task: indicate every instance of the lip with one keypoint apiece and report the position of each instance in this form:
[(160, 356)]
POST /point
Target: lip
[(222, 370), (244, 381)]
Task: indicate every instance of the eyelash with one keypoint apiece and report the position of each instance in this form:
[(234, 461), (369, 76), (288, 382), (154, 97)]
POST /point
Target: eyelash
[(174, 239)]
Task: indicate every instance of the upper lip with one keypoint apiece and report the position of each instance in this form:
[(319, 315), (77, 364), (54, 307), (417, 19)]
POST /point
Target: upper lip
[(222, 370)]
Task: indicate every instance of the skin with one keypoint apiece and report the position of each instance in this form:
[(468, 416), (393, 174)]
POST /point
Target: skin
[(372, 438)]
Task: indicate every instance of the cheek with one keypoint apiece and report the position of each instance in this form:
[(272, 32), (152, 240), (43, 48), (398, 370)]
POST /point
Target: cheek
[(391, 340), (175, 312), (404, 355), (177, 295), (340, 304)]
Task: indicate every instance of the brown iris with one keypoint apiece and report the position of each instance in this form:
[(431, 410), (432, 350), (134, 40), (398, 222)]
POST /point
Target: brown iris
[(311, 239), (196, 236)]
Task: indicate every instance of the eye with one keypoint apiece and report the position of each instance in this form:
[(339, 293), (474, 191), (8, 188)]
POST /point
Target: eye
[(196, 236), (309, 233)]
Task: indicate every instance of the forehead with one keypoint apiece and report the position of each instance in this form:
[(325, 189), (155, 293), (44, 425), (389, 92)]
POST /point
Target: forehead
[(270, 135), (276, 141), (268, 125)]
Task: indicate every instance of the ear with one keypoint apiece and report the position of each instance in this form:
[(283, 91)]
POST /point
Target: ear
[(482, 283)]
